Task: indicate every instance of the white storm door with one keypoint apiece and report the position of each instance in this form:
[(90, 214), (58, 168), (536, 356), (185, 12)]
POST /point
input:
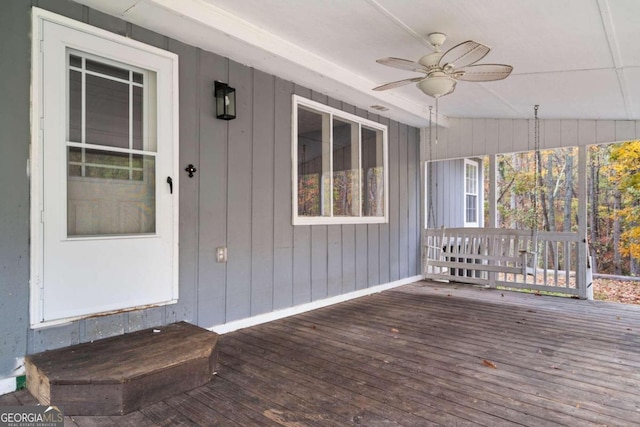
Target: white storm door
[(109, 188)]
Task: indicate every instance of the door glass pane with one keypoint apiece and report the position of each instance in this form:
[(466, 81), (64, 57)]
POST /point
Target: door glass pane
[(107, 112), (138, 78), (75, 106), (346, 197), (372, 173), (314, 192), (137, 115), (110, 193), (75, 61), (108, 70)]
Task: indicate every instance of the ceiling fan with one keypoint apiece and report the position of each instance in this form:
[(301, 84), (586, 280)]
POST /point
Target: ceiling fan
[(443, 70)]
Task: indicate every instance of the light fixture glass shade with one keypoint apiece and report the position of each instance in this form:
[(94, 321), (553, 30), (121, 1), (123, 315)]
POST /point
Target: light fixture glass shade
[(225, 101), (438, 85)]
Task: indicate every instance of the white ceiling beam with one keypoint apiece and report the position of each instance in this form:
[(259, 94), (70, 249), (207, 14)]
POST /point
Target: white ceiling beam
[(614, 47), (393, 18)]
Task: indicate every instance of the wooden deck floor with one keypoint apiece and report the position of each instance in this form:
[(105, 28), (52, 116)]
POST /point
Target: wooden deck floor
[(419, 355)]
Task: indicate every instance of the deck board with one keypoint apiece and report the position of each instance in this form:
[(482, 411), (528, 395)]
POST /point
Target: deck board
[(413, 356)]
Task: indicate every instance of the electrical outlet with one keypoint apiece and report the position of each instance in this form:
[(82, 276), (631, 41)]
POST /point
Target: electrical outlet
[(221, 254)]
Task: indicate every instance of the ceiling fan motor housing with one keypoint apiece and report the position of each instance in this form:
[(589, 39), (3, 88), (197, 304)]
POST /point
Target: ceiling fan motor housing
[(431, 60)]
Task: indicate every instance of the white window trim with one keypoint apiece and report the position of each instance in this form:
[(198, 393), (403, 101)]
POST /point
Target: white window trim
[(35, 163), (300, 220), (477, 193)]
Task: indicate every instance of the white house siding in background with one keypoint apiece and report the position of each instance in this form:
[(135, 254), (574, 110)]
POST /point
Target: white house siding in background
[(445, 181)]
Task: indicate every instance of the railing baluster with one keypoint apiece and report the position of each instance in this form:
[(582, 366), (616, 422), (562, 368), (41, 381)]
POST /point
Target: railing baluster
[(567, 263)]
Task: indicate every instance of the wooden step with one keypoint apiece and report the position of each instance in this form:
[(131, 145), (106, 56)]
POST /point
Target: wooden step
[(117, 375)]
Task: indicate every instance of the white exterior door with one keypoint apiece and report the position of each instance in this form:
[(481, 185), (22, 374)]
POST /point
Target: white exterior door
[(107, 182)]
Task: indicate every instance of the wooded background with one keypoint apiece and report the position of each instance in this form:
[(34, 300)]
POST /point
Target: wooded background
[(538, 190)]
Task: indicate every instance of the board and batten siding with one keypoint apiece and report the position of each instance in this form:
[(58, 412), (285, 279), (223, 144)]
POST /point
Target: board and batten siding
[(239, 198), (475, 137)]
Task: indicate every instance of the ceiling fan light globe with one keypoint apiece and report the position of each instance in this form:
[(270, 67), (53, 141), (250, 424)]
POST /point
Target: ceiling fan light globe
[(436, 86)]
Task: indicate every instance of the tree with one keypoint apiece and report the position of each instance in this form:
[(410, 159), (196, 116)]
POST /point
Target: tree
[(569, 194), (626, 174)]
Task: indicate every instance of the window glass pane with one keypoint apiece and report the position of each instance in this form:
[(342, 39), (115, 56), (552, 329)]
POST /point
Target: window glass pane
[(75, 106), (471, 179), (106, 69), (115, 194), (313, 163), (372, 173), (137, 115), (107, 112), (471, 208), (346, 198)]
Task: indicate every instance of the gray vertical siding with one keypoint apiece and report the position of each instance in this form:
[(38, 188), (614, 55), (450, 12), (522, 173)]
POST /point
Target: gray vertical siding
[(262, 194), (283, 258), (413, 177), (403, 206), (15, 51), (446, 188), (239, 195), (239, 198), (446, 182), (394, 201), (186, 308), (384, 253), (212, 172)]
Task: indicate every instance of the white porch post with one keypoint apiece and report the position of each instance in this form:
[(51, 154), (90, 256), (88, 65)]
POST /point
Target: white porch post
[(492, 197), (492, 202), (423, 200), (585, 287)]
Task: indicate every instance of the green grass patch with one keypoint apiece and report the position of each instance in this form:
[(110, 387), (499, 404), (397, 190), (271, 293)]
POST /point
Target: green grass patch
[(21, 382)]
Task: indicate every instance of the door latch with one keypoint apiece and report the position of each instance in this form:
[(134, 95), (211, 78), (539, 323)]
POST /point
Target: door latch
[(170, 182)]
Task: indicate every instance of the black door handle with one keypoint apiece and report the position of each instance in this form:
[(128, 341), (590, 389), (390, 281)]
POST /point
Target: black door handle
[(170, 182)]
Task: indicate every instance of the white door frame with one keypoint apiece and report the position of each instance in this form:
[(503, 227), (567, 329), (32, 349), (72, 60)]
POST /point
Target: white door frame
[(36, 170)]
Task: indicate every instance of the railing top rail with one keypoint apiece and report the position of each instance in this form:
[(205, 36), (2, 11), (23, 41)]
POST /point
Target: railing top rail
[(558, 236)]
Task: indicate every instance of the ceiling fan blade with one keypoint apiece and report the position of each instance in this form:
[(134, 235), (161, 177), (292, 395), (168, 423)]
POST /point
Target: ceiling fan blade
[(403, 64), (462, 55), (398, 83), (483, 72)]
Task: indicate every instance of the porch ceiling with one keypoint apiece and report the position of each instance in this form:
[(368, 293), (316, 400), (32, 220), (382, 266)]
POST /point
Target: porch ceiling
[(576, 58)]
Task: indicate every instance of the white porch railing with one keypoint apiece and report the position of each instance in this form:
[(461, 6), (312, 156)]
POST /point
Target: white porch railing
[(544, 261)]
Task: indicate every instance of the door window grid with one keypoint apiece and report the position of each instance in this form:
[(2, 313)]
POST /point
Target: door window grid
[(135, 81)]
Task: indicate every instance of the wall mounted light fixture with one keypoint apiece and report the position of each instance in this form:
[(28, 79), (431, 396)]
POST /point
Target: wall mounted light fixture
[(225, 101)]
